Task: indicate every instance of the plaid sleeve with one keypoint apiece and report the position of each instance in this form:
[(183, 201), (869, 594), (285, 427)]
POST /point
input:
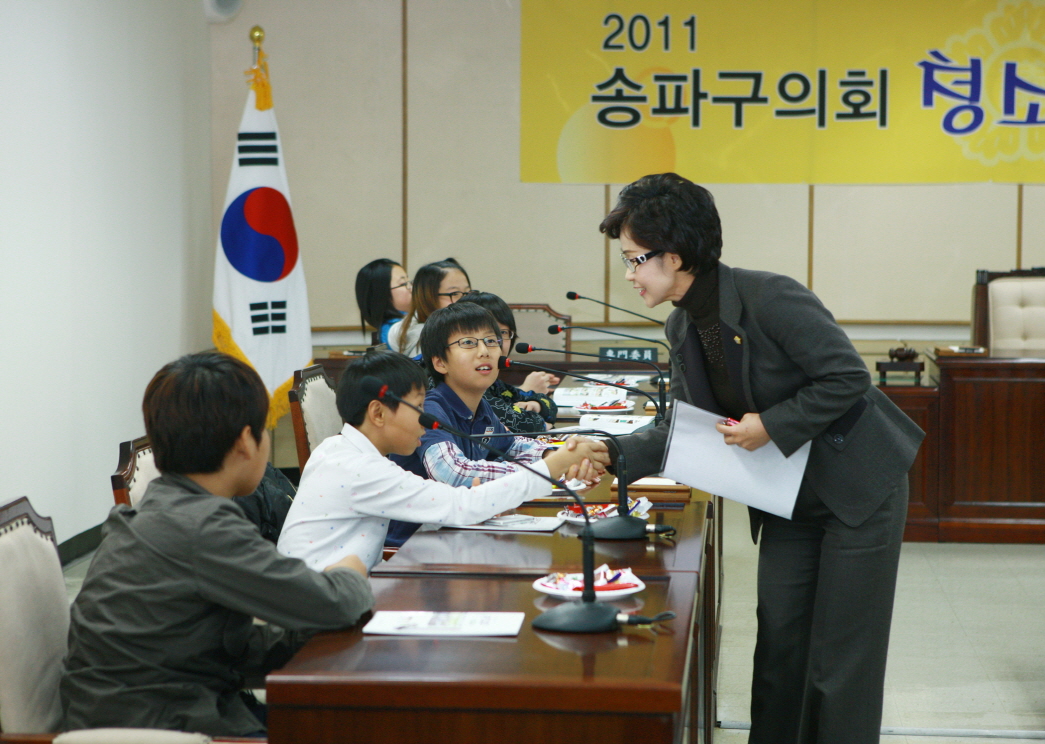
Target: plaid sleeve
[(445, 462), (526, 450)]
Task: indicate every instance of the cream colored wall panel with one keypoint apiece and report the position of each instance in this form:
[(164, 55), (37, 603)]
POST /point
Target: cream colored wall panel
[(1033, 227), (525, 242), (909, 252), (335, 68)]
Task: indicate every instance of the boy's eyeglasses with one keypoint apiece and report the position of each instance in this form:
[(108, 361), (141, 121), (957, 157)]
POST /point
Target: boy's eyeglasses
[(630, 264), (472, 343), (408, 284), (506, 335), (454, 296)]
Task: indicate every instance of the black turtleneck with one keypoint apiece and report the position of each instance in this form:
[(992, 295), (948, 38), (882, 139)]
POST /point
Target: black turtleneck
[(701, 304)]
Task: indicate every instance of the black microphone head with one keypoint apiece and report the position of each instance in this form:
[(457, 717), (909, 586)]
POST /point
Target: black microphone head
[(572, 296), (554, 329), (503, 362), (523, 348), (428, 421), (373, 387)]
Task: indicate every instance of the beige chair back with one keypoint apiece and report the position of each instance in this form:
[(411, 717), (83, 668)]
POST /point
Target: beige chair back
[(313, 409), (34, 621), (1017, 317), (135, 470), (531, 324)]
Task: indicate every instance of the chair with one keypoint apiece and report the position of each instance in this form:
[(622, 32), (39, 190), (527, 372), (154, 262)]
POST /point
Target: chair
[(313, 410), (34, 622), (1009, 312), (531, 325), (134, 472)]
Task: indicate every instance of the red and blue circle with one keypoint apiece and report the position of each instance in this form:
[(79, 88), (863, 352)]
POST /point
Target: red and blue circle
[(258, 235)]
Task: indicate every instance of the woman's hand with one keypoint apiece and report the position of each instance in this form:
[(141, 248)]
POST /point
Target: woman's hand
[(748, 433), (539, 382)]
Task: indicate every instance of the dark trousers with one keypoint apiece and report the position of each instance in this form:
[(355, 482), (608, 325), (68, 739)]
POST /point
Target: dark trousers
[(825, 604)]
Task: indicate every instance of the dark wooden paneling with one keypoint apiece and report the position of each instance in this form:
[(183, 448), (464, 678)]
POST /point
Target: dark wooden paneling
[(992, 424), (922, 404)]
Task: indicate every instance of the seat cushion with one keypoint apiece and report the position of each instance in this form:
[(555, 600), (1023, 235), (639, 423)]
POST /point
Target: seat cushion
[(1017, 317)]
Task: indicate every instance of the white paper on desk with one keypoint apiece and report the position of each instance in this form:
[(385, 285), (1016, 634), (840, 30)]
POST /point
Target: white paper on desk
[(460, 624), (698, 457), (536, 524)]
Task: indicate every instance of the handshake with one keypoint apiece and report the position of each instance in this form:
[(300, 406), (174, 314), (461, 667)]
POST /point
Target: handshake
[(580, 457)]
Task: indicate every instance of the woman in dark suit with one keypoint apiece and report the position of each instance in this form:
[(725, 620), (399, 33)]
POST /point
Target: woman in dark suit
[(762, 349)]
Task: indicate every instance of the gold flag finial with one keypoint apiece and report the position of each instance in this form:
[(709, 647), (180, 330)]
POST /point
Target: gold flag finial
[(259, 72)]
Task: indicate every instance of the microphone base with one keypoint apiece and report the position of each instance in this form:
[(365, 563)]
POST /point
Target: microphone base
[(619, 528), (579, 617)]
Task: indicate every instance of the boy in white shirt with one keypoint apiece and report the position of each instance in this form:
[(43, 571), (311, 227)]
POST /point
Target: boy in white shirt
[(350, 489)]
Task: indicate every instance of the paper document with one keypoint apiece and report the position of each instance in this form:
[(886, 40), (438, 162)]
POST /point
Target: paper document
[(461, 624), (514, 523), (698, 457)]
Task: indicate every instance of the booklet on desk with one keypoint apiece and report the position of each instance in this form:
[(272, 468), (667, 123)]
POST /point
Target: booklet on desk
[(698, 456), (459, 624)]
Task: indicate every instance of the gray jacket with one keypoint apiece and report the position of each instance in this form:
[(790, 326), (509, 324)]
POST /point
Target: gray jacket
[(794, 365)]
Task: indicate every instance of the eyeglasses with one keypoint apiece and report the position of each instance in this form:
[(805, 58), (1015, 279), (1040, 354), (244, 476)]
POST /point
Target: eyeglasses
[(454, 296), (408, 284), (471, 343), (630, 264), (506, 335)]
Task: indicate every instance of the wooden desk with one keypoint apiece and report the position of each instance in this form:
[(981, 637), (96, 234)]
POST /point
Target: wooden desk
[(534, 554), (623, 687)]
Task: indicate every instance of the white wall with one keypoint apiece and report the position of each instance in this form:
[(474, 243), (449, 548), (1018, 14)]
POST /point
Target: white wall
[(104, 232)]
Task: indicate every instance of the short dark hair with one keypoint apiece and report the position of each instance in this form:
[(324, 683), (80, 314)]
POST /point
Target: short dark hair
[(445, 322), (195, 409), (497, 307), (401, 373), (374, 292), (666, 212)]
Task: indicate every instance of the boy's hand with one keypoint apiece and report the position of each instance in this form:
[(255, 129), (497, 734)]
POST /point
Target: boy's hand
[(539, 382), (351, 562), (573, 454), (594, 450), (529, 405)]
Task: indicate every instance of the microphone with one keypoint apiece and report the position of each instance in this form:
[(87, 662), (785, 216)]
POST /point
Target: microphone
[(506, 363), (555, 329), (575, 296), (524, 348), (584, 616)]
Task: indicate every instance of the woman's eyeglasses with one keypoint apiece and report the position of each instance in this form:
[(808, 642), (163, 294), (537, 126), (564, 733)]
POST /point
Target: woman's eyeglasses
[(472, 343), (630, 264), (454, 296), (408, 284), (506, 335)]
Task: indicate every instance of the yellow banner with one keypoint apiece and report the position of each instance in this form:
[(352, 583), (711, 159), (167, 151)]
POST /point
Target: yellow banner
[(804, 91)]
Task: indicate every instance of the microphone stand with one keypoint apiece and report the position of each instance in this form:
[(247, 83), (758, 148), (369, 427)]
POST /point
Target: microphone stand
[(583, 616), (506, 363), (575, 296), (524, 348)]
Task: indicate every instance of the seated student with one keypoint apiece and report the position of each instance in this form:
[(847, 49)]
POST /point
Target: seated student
[(461, 345), (436, 285), (383, 295), (527, 409), (350, 491), (162, 633)]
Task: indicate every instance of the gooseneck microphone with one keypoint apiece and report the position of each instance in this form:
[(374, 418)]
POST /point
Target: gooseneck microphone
[(524, 348), (583, 616), (575, 296), (555, 329), (506, 363)]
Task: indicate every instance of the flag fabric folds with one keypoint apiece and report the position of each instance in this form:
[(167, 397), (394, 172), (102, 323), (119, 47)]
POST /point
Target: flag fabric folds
[(260, 301)]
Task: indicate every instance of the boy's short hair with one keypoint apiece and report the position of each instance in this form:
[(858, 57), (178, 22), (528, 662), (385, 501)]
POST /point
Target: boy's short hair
[(195, 409), (666, 212), (497, 307), (443, 323), (401, 373)]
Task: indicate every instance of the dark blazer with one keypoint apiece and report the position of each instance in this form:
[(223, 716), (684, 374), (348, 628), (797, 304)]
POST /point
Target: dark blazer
[(793, 364)]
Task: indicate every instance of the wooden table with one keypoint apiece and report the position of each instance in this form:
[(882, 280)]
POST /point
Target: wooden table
[(629, 686)]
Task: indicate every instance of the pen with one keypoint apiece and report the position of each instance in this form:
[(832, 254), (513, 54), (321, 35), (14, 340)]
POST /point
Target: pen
[(730, 422)]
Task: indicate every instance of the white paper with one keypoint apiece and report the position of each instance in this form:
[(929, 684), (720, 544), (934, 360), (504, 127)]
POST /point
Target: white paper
[(460, 624), (568, 397), (699, 457), (613, 424), (529, 524)]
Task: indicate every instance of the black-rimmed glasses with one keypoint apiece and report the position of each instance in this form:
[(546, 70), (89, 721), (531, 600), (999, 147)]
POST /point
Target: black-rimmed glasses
[(630, 264), (468, 342), (454, 296)]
